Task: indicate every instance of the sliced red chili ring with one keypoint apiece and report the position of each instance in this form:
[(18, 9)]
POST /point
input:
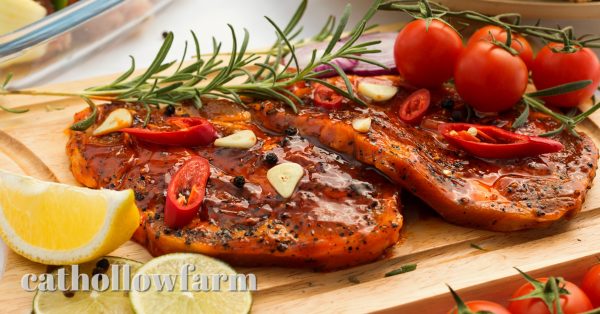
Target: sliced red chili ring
[(193, 131), (327, 98), (185, 192), (414, 107), (493, 142)]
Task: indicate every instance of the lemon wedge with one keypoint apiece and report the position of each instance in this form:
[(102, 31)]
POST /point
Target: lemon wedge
[(210, 299), (112, 300), (59, 224)]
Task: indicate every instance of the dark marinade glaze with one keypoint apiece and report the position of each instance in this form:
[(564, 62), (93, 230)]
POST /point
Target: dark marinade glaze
[(500, 195), (342, 213)]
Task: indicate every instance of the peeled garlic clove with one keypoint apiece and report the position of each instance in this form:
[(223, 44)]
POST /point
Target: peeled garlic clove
[(362, 125), (377, 92), (118, 119), (241, 139), (284, 178)]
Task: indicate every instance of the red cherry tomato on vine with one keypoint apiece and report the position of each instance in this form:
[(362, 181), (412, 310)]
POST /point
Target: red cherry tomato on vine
[(327, 98), (519, 43), (591, 285), (483, 306), (489, 78), (414, 107), (425, 55), (556, 68), (573, 303)]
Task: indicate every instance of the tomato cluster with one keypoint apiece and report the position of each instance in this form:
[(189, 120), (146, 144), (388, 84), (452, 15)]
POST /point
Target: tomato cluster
[(489, 74), (527, 299)]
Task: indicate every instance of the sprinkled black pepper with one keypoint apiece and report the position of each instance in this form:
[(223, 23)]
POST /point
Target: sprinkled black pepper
[(291, 131), (239, 181), (68, 294), (170, 110), (282, 247), (103, 264), (271, 158)]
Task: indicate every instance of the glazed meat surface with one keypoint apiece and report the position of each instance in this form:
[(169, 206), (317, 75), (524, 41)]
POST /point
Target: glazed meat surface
[(341, 214), (500, 195)]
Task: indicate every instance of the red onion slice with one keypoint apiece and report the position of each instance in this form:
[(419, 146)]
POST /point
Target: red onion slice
[(304, 54), (385, 57)]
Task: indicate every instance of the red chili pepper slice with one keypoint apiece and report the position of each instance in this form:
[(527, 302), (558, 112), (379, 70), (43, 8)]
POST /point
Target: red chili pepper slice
[(186, 191), (497, 143), (193, 131), (415, 106), (327, 98)]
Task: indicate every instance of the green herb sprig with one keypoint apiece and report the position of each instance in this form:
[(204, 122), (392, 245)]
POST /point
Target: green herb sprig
[(210, 76), (508, 21)]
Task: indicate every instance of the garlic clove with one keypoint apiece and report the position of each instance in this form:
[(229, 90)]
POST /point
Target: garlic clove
[(377, 92), (362, 125), (118, 119), (284, 178), (241, 139)]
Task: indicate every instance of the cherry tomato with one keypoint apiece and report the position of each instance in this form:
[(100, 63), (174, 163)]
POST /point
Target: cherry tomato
[(327, 98), (556, 68), (414, 107), (591, 285), (489, 78), (573, 303), (425, 55), (186, 192), (483, 306), (519, 43)]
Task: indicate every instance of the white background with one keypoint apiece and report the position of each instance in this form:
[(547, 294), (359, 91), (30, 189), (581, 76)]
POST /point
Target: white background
[(209, 18)]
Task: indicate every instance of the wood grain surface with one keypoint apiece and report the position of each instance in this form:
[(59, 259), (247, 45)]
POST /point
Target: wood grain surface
[(34, 144)]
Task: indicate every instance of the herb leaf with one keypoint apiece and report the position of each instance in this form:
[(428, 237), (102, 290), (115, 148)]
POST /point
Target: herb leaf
[(560, 89), (403, 269)]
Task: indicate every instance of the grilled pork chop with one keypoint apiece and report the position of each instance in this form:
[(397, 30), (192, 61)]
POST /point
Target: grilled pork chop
[(500, 195), (341, 214)]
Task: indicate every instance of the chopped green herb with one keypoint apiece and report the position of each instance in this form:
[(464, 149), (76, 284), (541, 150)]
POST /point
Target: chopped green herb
[(404, 269), (353, 279), (54, 108), (475, 246)]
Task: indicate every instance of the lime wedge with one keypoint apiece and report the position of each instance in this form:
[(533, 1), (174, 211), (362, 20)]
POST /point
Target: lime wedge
[(196, 298), (89, 302)]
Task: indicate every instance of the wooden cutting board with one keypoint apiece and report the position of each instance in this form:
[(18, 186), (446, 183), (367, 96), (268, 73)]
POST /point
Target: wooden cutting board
[(34, 144)]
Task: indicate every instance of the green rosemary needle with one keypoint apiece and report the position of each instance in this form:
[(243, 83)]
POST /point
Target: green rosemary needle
[(211, 76)]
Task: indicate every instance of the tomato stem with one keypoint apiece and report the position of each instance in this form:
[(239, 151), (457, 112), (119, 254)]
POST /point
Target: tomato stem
[(546, 33)]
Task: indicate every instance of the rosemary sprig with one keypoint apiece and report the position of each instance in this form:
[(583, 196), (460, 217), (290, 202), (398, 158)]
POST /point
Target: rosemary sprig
[(508, 21), (569, 121), (210, 76)]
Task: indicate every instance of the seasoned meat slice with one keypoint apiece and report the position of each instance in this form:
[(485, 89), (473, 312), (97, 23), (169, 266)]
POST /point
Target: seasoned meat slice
[(501, 195), (341, 213)]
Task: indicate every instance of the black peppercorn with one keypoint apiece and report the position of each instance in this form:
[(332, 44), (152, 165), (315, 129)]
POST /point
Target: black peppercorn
[(458, 115), (97, 271), (291, 131), (271, 158), (102, 264), (68, 294), (239, 181), (170, 110), (447, 103)]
